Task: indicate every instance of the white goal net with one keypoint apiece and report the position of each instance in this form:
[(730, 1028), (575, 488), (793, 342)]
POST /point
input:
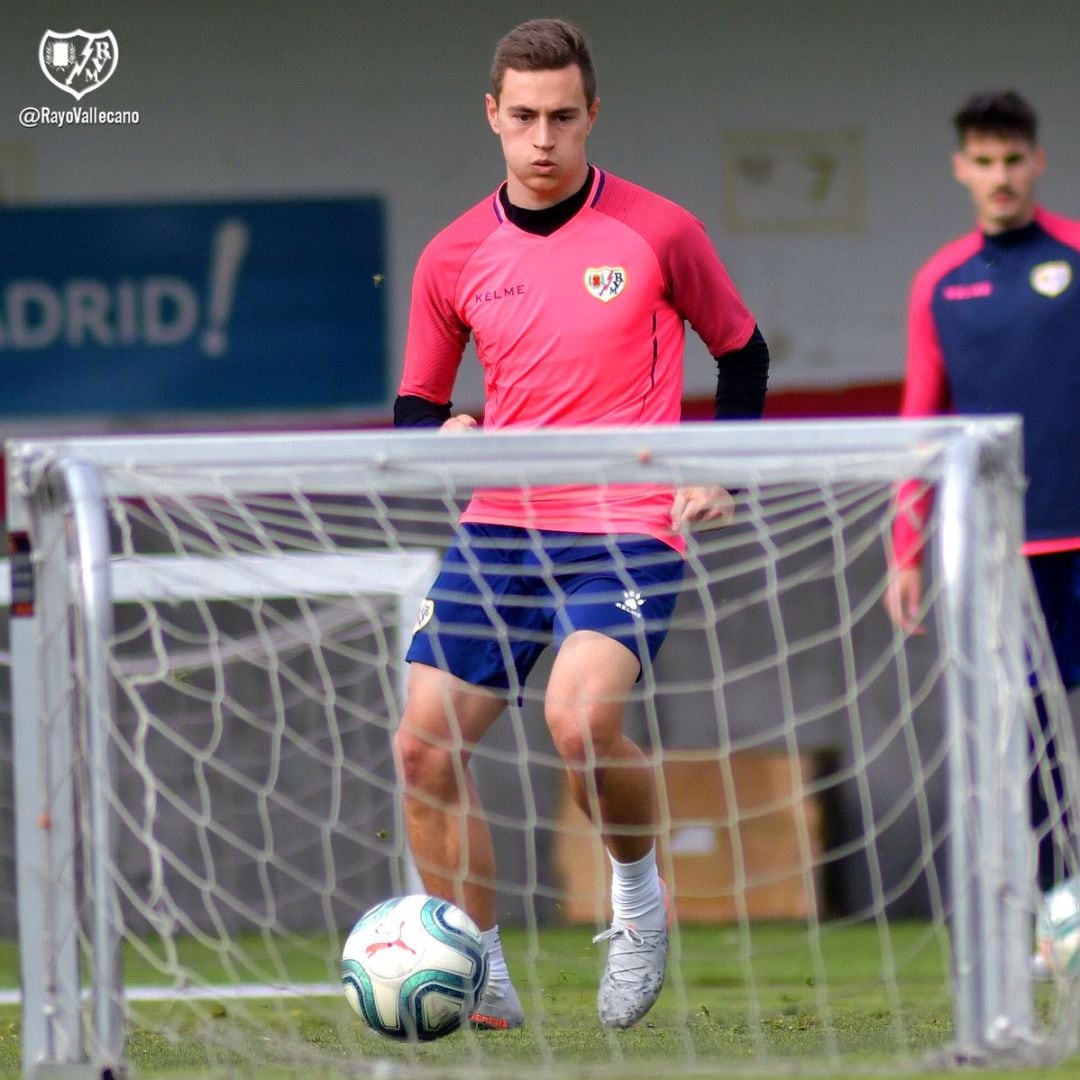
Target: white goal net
[(207, 640)]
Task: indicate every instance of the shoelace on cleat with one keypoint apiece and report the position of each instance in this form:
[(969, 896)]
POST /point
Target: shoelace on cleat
[(626, 930)]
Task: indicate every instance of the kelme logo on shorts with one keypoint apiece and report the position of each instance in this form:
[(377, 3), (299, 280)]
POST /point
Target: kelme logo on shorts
[(1051, 278), (423, 616), (78, 62), (632, 602), (605, 282)]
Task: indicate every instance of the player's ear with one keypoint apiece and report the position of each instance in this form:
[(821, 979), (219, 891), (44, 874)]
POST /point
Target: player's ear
[(959, 167), (594, 108), (1039, 157), (492, 108)]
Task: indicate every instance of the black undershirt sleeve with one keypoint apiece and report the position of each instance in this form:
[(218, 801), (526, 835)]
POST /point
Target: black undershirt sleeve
[(741, 380), (411, 410)]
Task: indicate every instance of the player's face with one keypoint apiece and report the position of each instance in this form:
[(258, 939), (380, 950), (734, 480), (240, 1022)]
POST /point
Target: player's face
[(1000, 173), (542, 121)]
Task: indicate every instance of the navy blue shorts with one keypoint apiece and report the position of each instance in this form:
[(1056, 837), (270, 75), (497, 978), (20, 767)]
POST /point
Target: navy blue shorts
[(505, 593), (1057, 581)]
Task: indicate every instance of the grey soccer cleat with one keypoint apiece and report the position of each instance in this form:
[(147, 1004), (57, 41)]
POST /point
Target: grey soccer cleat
[(497, 1009), (634, 972)]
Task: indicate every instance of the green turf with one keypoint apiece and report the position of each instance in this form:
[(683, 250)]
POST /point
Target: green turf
[(772, 1002)]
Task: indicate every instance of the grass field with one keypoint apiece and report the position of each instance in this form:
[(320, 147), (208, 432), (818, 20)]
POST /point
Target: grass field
[(772, 1004)]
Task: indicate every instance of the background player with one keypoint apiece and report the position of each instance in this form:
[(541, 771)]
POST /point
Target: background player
[(994, 327), (575, 285)]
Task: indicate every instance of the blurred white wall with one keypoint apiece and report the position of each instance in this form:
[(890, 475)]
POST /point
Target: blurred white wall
[(247, 98)]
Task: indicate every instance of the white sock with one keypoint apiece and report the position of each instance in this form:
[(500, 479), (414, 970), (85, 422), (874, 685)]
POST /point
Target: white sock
[(497, 969), (635, 892)]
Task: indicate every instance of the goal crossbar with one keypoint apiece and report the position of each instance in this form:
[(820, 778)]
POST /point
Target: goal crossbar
[(750, 452)]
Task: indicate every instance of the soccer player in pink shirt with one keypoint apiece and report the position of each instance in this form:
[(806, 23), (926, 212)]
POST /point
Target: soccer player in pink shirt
[(576, 286)]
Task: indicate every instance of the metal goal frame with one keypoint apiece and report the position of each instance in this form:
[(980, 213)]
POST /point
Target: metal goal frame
[(65, 580)]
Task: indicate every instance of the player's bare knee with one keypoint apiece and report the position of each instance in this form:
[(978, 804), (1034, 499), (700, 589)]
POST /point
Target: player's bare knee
[(580, 742), (421, 764)]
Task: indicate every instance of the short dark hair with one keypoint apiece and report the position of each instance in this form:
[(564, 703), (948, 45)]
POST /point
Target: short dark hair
[(544, 45), (1001, 112)]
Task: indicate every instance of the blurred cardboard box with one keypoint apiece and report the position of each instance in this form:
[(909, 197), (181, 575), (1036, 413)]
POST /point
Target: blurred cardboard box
[(741, 838)]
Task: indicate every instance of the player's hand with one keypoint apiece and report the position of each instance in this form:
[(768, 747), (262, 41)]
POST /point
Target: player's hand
[(457, 424), (903, 594), (702, 505)]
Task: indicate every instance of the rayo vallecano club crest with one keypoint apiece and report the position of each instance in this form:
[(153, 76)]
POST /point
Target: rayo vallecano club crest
[(77, 62), (1051, 278), (605, 282)]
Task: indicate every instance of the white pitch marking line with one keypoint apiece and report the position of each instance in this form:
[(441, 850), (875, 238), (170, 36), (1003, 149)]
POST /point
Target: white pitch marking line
[(209, 993)]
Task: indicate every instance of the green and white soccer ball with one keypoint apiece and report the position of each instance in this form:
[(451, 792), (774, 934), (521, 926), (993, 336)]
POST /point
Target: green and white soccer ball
[(413, 967), (1057, 929)]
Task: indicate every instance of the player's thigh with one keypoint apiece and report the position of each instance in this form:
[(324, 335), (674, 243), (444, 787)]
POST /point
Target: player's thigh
[(444, 714), (591, 679), (591, 672)]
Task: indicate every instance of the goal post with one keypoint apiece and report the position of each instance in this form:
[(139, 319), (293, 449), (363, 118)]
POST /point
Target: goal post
[(63, 592), (991, 846), (206, 642)]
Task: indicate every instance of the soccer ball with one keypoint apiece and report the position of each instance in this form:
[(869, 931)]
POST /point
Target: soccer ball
[(1058, 928), (413, 967)]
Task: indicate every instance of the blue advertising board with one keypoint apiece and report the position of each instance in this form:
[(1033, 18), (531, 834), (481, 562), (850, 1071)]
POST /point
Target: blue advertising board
[(193, 307)]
